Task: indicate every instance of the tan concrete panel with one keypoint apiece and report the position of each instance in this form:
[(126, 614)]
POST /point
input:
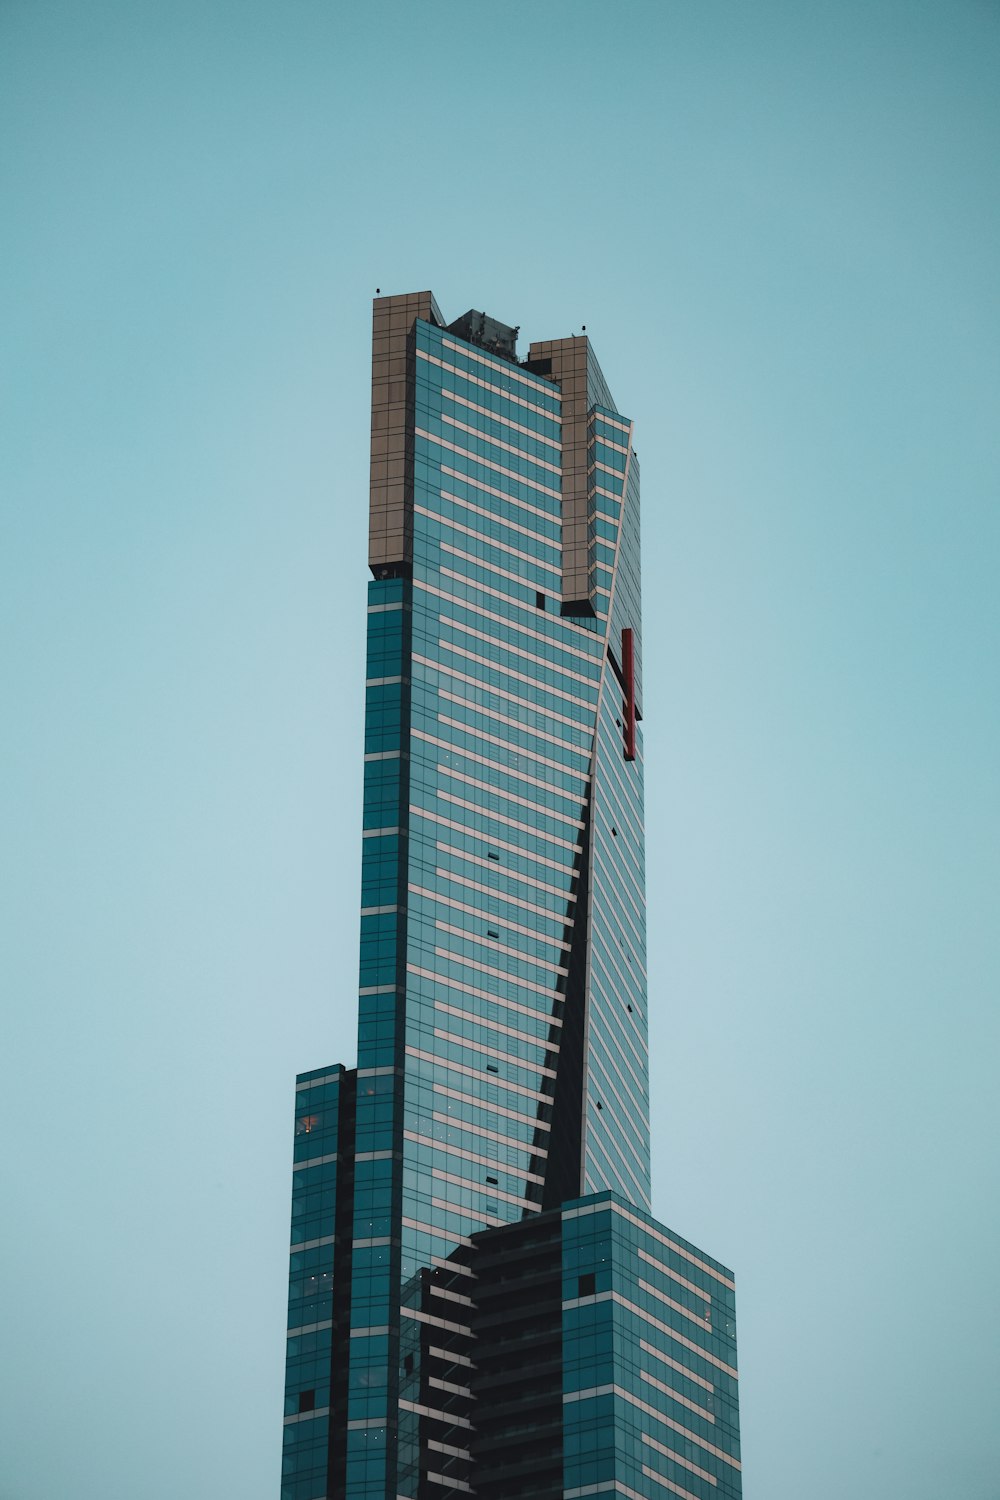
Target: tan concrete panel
[(392, 321)]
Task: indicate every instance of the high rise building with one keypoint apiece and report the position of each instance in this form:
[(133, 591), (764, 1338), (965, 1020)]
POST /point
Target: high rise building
[(479, 1299)]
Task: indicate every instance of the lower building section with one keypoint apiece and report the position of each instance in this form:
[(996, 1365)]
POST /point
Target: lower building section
[(319, 1284), (581, 1351), (648, 1359)]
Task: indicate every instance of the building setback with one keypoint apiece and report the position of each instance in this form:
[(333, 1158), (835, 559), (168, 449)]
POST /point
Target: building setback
[(479, 1300)]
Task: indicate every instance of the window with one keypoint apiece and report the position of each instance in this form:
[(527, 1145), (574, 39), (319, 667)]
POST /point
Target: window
[(307, 1401), (587, 1286)]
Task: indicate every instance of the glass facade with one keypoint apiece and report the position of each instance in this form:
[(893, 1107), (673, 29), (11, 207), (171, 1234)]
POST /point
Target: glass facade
[(648, 1357), (502, 1058)]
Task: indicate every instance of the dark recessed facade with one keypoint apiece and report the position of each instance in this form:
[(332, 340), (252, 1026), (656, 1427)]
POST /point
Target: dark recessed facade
[(479, 1300)]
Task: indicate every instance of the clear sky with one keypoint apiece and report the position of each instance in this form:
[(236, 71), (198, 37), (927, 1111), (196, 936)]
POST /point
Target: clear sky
[(780, 222)]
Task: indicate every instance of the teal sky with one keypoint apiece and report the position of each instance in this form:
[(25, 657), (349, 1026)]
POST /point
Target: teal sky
[(780, 222)]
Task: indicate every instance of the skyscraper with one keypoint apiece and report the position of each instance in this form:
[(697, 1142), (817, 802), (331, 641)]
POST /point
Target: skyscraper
[(479, 1299)]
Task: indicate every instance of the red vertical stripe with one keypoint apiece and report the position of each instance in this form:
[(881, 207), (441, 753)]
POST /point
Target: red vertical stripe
[(628, 673)]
